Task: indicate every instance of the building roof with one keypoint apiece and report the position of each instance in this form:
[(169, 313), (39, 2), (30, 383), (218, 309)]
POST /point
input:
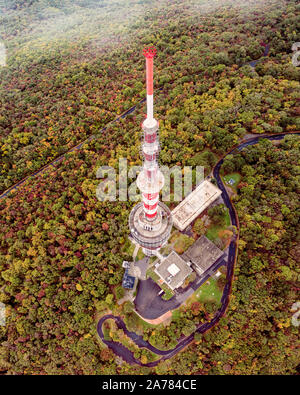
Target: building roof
[(128, 281), (173, 270), (126, 264), (194, 204), (203, 254)]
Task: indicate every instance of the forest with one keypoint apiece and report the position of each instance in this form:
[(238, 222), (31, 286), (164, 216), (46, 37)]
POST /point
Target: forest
[(51, 103), (61, 250)]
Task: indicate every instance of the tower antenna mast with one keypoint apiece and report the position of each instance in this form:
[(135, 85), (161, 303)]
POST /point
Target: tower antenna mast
[(150, 222)]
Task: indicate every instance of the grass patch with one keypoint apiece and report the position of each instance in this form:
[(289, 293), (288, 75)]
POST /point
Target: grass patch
[(227, 218), (235, 177), (128, 248), (140, 255), (181, 242), (168, 292), (166, 250), (108, 327), (212, 232), (152, 259), (150, 273), (176, 315), (141, 323), (209, 292)]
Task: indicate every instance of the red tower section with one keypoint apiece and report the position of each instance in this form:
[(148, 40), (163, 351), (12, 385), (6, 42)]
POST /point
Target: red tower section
[(150, 221)]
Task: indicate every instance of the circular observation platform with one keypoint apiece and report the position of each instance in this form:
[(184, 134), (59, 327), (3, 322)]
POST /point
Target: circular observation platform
[(151, 235)]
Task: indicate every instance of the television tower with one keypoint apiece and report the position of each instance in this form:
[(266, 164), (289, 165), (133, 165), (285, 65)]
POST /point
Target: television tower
[(150, 221)]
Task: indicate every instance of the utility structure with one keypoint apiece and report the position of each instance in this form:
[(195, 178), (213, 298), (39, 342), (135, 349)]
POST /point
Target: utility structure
[(150, 221)]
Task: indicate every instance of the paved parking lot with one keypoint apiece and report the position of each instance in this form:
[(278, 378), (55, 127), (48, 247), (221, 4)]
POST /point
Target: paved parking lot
[(149, 304)]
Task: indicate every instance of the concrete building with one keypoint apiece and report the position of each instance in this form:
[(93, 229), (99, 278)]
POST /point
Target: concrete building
[(203, 254), (202, 257), (173, 270), (194, 204)]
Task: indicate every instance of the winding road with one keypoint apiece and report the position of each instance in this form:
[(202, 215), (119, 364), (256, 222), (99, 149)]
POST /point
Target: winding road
[(128, 355), (118, 348), (79, 145)]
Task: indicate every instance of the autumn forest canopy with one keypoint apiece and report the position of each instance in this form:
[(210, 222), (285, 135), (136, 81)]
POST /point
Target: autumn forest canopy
[(74, 66)]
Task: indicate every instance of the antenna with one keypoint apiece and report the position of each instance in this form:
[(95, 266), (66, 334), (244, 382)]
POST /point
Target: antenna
[(150, 221), (149, 53)]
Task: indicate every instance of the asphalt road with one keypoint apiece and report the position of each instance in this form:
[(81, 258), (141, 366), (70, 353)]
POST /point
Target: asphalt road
[(118, 348), (150, 305), (78, 146), (127, 355)]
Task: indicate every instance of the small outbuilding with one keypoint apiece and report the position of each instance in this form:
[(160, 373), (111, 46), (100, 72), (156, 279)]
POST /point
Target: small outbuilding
[(203, 255), (173, 270), (128, 280)]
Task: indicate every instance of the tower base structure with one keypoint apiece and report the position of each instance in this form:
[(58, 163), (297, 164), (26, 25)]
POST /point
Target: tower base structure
[(150, 235)]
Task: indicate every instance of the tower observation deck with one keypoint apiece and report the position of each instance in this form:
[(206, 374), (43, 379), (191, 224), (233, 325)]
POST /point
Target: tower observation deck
[(150, 221)]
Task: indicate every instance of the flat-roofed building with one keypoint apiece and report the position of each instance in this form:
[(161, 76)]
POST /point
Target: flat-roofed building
[(173, 270), (126, 264), (128, 280), (194, 204), (203, 254)]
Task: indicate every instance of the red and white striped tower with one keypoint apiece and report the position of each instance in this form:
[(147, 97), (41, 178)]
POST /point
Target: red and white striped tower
[(150, 180), (152, 215)]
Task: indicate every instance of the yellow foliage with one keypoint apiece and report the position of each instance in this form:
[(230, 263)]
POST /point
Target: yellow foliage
[(31, 252), (90, 216), (144, 359), (242, 244), (284, 324)]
